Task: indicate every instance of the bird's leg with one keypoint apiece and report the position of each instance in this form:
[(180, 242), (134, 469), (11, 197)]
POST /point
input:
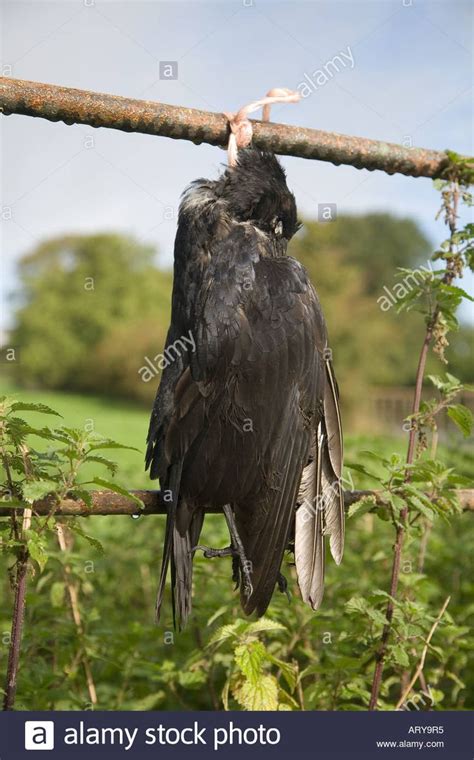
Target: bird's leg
[(237, 545), (282, 584), (209, 553), (236, 551)]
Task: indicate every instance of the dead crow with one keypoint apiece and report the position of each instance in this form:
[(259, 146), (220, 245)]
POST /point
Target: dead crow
[(246, 417)]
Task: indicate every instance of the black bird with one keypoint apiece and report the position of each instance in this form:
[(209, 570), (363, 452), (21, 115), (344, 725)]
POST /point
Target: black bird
[(246, 417)]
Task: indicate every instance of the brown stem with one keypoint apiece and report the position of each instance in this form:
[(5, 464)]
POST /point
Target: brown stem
[(76, 615), (11, 488), (421, 665), (17, 618), (16, 631), (427, 523), (397, 552)]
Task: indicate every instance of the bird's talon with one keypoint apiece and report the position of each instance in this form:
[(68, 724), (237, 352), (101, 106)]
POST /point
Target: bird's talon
[(248, 590)]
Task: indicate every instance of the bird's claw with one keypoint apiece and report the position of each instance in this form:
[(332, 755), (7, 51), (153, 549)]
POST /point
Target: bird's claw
[(248, 588), (239, 563)]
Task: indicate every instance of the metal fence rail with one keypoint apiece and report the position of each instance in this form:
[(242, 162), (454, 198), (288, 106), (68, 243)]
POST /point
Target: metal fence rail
[(74, 106), (109, 503)]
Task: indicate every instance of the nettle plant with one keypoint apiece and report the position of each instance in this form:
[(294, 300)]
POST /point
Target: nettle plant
[(419, 489), (54, 474), (256, 678)]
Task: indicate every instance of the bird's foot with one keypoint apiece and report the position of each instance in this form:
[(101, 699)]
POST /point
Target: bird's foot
[(241, 567), (210, 553), (282, 584)]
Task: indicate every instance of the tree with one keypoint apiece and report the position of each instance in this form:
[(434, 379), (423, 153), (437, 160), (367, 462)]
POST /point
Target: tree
[(78, 291)]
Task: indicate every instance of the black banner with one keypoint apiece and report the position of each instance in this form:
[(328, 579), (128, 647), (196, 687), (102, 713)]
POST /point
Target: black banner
[(336, 735)]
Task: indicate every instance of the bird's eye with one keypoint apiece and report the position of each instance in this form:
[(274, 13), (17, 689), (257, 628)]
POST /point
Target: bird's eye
[(279, 228)]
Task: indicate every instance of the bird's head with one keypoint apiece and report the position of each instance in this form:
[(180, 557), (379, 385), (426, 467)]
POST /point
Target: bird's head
[(255, 191)]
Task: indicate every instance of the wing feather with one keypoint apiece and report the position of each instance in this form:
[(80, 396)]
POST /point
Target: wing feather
[(321, 498), (333, 494)]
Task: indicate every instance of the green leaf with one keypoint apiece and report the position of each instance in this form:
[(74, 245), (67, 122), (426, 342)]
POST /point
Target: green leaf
[(462, 418), (249, 658), (38, 489), (356, 604), (362, 469), (191, 679), (77, 528), (400, 656), (361, 507), (36, 549), (264, 624), (107, 443), (21, 406), (260, 696), (377, 616), (227, 631), (457, 291), (56, 594), (149, 702), (111, 466), (419, 504), (289, 670), (85, 496)]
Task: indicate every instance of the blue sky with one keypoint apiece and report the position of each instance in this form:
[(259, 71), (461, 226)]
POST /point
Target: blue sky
[(411, 81)]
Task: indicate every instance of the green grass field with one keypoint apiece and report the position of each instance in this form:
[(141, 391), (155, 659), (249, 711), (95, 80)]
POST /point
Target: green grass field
[(127, 423), (123, 422)]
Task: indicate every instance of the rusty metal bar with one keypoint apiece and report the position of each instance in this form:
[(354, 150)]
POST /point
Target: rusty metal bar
[(109, 503), (74, 106)]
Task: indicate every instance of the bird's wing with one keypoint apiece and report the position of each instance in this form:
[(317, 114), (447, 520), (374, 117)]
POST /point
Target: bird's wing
[(222, 328), (321, 496), (286, 328), (222, 341), (190, 261)]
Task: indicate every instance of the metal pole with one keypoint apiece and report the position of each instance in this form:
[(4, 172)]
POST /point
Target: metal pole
[(110, 503), (73, 106)]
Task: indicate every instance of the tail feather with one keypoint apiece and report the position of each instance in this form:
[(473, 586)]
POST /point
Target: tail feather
[(172, 488), (177, 552), (182, 569), (181, 578)]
